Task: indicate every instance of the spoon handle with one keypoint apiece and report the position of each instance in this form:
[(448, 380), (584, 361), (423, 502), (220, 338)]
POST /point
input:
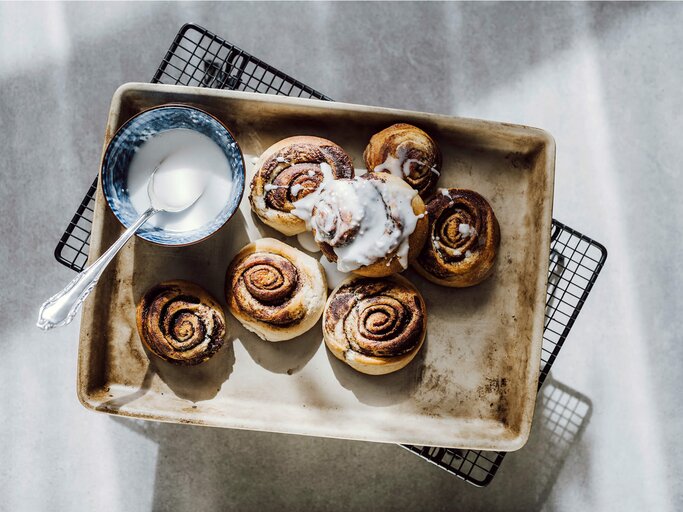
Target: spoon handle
[(61, 308)]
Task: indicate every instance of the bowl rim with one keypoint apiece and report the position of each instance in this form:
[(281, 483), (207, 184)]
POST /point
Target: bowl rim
[(187, 106)]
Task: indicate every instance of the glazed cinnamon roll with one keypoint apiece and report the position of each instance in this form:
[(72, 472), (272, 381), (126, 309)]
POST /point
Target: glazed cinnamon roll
[(180, 322), (373, 225), (274, 290), (463, 239), (375, 325), (407, 152), (288, 171)]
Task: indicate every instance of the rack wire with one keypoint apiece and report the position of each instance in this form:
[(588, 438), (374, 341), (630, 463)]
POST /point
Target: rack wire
[(200, 58), (575, 262)]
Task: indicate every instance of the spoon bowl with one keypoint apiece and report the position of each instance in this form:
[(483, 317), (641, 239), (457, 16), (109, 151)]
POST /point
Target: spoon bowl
[(174, 190)]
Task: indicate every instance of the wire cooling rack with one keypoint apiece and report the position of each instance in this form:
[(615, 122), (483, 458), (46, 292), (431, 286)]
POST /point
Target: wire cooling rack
[(199, 58), (575, 262)]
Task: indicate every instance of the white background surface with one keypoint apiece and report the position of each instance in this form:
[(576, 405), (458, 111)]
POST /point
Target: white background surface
[(603, 79)]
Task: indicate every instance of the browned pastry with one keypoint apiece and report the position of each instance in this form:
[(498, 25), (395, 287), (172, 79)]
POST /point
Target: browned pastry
[(342, 228), (275, 290), (180, 322), (375, 325), (463, 239), (408, 152), (288, 171)]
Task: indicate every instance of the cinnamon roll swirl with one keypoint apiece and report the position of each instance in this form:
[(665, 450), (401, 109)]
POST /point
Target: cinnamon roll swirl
[(288, 171), (407, 152), (373, 225), (274, 290), (463, 242), (180, 322), (375, 325)]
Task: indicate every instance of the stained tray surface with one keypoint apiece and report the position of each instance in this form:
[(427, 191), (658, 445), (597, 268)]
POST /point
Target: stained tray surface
[(472, 386)]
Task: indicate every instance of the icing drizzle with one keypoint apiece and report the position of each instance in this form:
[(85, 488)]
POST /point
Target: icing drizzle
[(363, 220)]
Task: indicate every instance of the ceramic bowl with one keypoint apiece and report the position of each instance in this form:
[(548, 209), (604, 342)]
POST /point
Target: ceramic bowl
[(133, 134)]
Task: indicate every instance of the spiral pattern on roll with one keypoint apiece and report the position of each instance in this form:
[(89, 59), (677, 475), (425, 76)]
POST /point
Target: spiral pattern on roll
[(463, 239), (289, 173), (408, 152), (378, 317), (180, 322), (275, 290), (265, 286)]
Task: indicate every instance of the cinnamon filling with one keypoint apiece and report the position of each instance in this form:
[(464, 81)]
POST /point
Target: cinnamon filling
[(462, 234), (179, 326), (295, 171), (263, 286), (381, 318)]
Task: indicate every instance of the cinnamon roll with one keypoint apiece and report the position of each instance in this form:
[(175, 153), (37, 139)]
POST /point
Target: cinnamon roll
[(275, 290), (464, 237), (408, 152), (180, 322), (372, 225), (288, 171), (375, 325)]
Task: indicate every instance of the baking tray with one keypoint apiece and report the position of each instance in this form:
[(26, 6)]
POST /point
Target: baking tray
[(473, 384)]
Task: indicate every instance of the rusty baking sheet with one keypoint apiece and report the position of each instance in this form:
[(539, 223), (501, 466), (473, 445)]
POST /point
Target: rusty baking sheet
[(473, 385)]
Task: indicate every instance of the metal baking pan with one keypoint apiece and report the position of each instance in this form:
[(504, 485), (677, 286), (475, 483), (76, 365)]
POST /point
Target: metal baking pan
[(474, 383)]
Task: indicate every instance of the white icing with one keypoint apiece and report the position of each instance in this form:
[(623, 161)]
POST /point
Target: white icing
[(393, 164), (281, 159), (296, 188), (399, 165), (365, 202), (333, 274), (303, 208), (345, 205), (466, 230), (445, 192), (350, 355), (311, 173), (468, 254), (406, 166), (187, 160), (307, 242), (269, 186)]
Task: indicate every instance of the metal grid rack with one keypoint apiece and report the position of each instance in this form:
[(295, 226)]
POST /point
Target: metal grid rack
[(575, 262), (200, 58)]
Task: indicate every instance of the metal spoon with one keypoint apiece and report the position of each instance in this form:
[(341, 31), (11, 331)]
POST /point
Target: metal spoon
[(61, 308)]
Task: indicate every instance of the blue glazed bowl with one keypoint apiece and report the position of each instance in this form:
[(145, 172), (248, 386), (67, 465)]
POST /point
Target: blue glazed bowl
[(135, 132)]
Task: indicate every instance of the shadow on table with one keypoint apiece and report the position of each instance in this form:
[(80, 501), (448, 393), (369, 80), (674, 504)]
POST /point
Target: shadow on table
[(211, 456), (562, 414)]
